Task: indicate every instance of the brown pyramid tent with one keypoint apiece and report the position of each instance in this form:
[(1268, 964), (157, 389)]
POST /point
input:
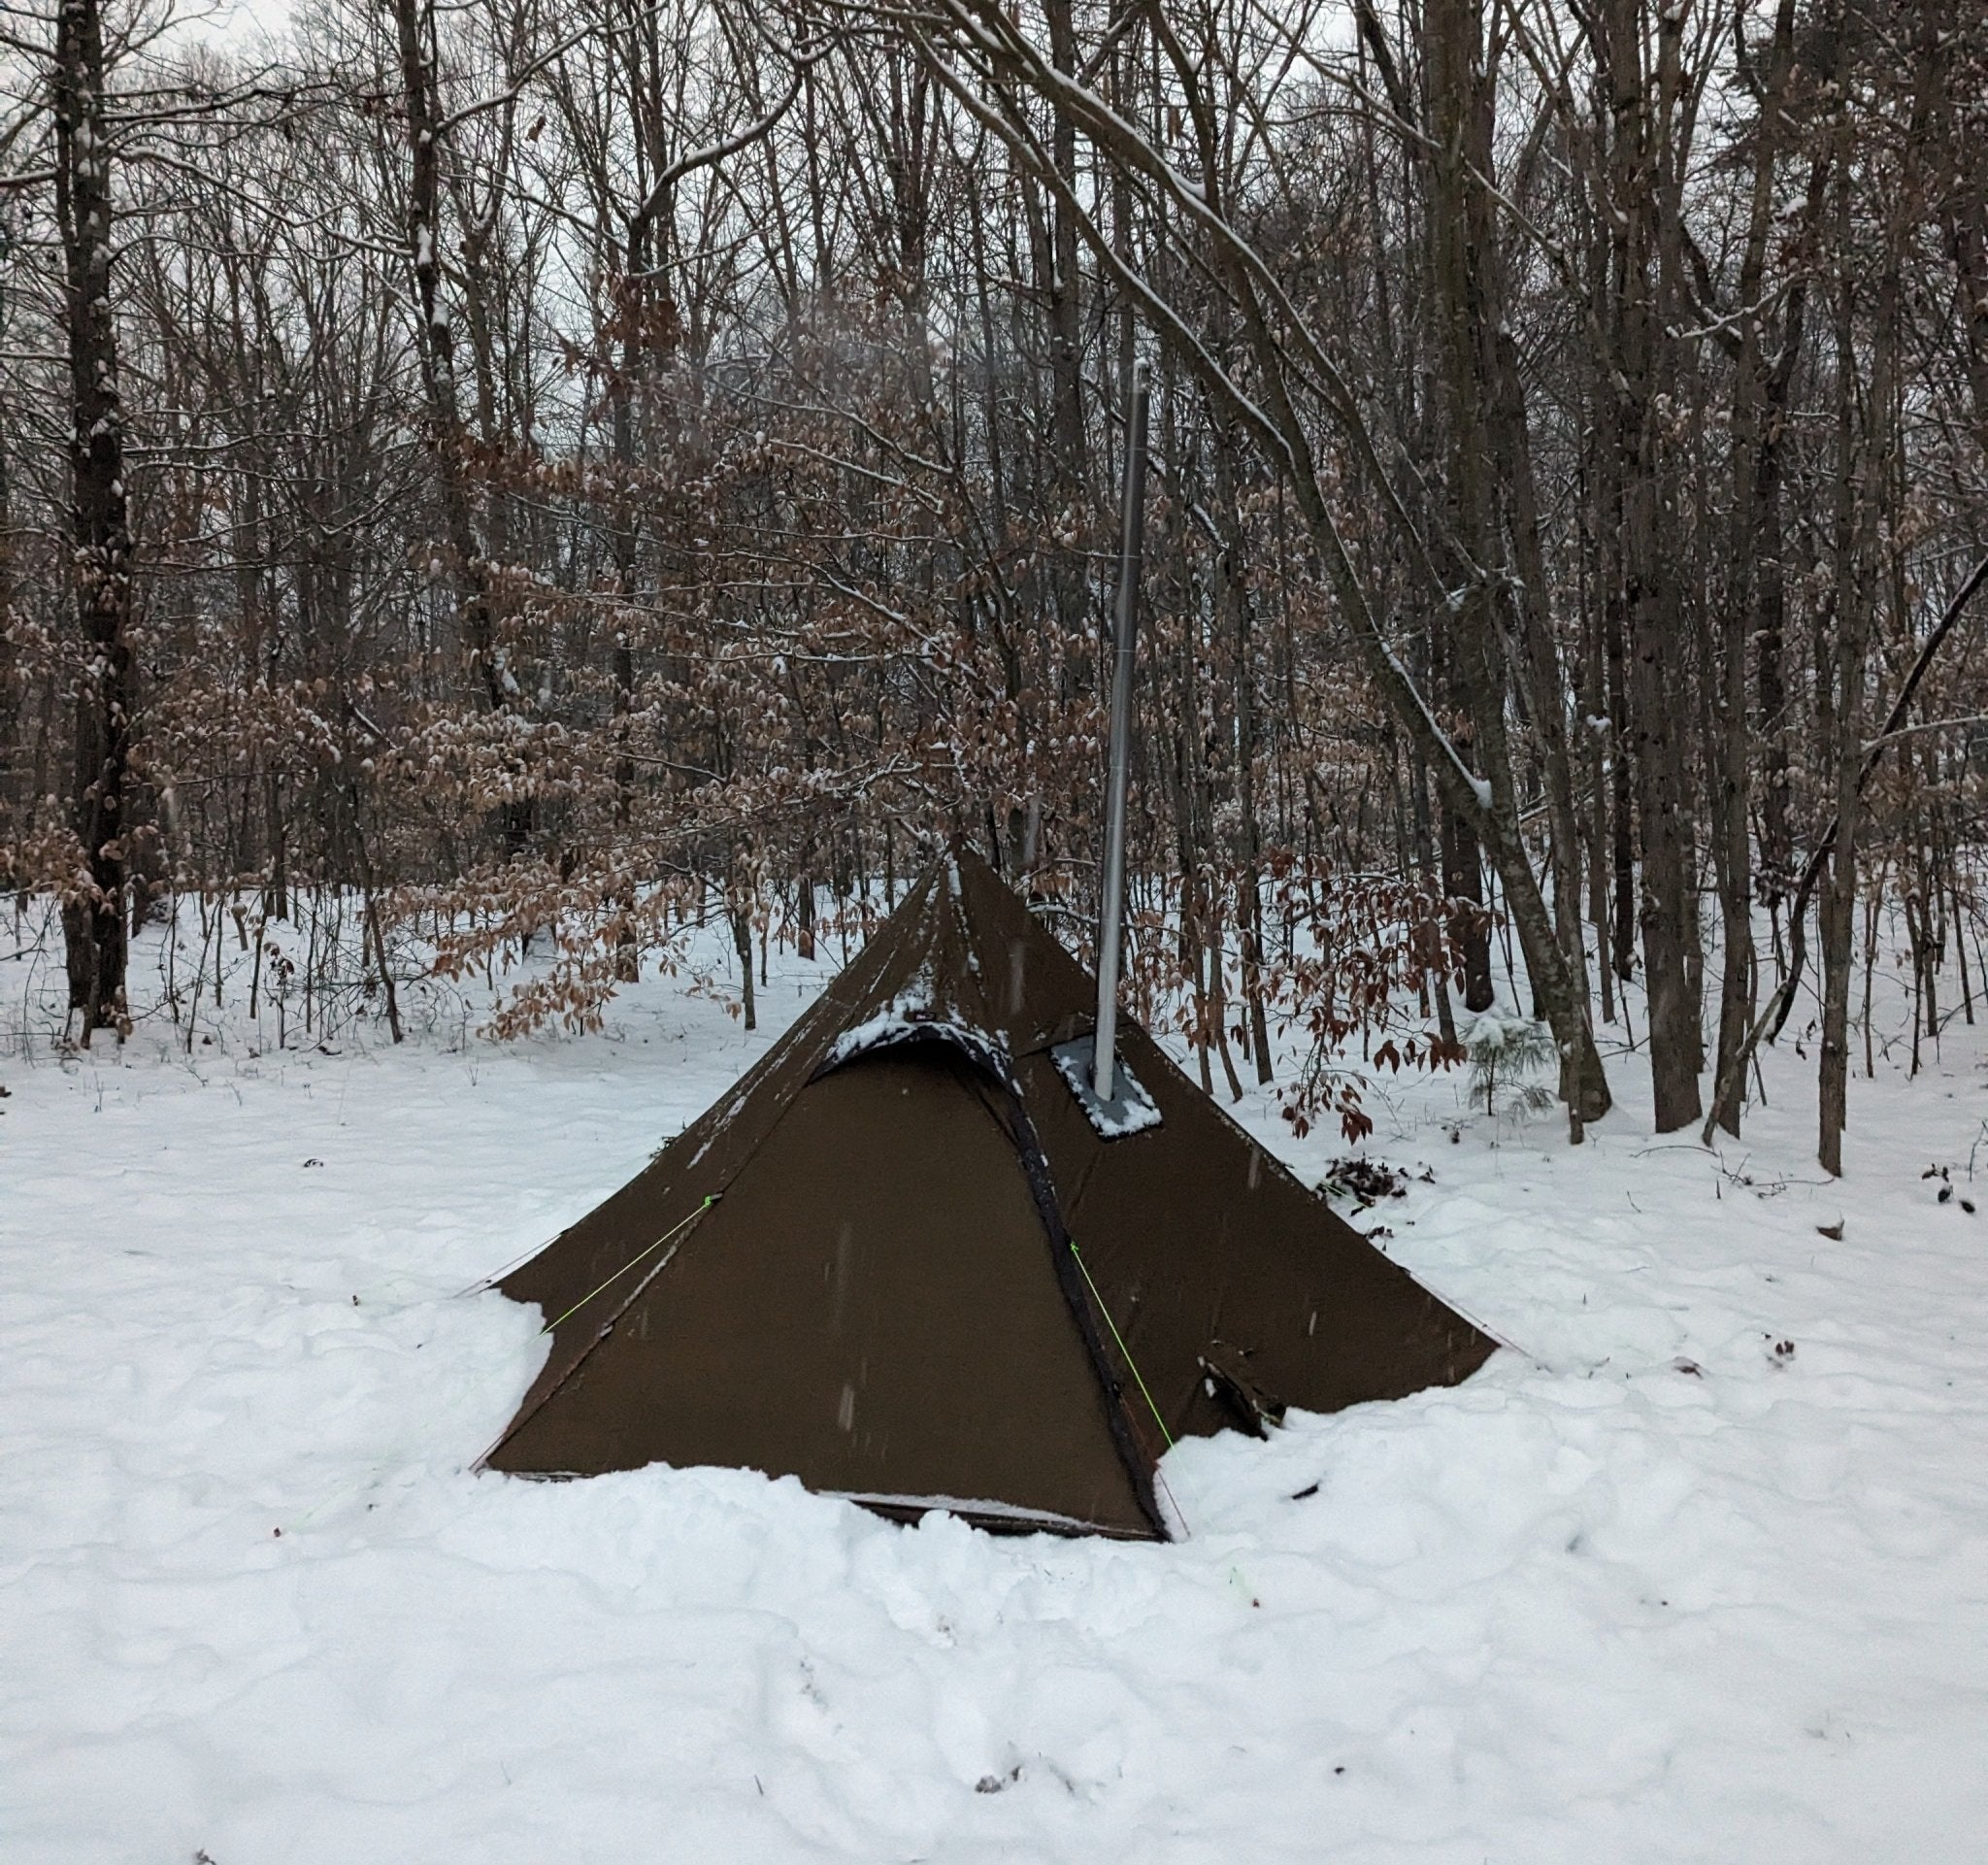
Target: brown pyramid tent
[(929, 1281)]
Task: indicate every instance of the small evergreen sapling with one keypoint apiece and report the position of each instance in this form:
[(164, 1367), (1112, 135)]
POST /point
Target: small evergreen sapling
[(1504, 1053)]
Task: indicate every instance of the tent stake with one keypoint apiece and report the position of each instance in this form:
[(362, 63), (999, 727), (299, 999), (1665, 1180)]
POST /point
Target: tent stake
[(1111, 919)]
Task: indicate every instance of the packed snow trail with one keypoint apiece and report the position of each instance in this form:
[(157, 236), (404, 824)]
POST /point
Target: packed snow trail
[(1701, 1575)]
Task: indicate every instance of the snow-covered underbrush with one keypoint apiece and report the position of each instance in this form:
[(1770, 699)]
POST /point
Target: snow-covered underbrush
[(1693, 1572)]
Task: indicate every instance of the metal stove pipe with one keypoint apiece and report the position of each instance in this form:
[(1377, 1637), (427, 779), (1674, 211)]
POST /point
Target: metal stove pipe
[(1112, 917)]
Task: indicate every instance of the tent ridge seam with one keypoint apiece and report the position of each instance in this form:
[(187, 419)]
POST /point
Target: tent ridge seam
[(1062, 1259)]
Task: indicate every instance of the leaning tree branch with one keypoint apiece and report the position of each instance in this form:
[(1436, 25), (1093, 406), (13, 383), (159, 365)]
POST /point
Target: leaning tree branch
[(1774, 1018)]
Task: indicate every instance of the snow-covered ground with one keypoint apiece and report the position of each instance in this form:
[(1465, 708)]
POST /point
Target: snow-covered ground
[(1701, 1573)]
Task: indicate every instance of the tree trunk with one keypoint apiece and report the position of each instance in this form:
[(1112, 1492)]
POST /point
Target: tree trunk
[(1650, 567), (435, 343), (93, 921)]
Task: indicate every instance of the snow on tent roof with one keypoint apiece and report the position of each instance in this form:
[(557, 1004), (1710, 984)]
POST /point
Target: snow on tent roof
[(904, 1267)]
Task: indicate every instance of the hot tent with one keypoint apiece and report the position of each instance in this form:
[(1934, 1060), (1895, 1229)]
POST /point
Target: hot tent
[(901, 1262)]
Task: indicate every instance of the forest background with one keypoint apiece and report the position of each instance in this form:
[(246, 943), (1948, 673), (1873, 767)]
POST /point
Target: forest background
[(501, 478)]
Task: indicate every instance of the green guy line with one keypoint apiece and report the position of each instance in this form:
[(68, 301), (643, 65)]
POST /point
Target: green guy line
[(1124, 1350), (633, 1260)]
